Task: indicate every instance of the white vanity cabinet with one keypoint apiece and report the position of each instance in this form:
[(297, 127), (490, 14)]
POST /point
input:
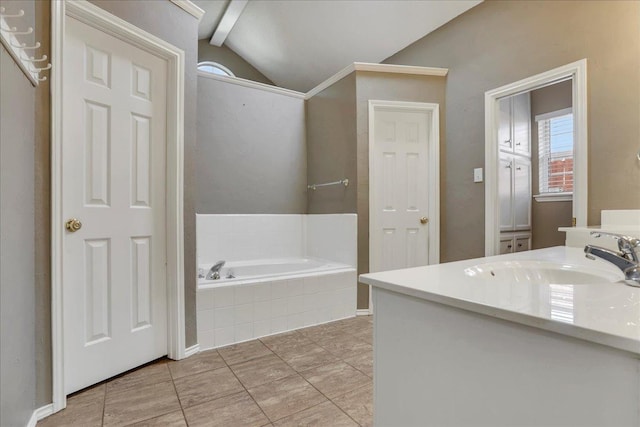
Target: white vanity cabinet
[(514, 132), (515, 192)]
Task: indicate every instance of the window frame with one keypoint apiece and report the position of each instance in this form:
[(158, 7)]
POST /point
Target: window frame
[(554, 196), (216, 65)]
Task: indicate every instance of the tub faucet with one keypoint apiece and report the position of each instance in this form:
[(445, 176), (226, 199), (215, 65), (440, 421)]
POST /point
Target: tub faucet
[(626, 260), (214, 272)]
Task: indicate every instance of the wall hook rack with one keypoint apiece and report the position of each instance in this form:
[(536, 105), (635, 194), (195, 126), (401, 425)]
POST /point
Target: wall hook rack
[(9, 36)]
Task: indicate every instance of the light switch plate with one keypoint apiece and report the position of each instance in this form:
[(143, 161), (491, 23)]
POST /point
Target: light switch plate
[(477, 175)]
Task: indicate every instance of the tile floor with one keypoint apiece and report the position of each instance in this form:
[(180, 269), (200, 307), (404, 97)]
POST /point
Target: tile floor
[(317, 376)]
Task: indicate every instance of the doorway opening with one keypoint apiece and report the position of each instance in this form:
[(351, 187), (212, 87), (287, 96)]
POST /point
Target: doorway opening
[(535, 153)]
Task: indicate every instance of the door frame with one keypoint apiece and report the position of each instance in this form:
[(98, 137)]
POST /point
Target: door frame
[(433, 163), (102, 20), (577, 71)]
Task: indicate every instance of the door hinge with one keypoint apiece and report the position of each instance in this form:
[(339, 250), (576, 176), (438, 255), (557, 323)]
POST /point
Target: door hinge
[(573, 222)]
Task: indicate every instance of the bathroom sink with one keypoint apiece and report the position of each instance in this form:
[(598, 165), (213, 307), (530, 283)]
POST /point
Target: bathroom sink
[(543, 273)]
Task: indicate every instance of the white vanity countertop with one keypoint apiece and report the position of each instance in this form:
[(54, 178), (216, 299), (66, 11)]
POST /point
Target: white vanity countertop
[(604, 313)]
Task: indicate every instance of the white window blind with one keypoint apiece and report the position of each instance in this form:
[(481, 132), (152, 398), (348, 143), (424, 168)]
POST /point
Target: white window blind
[(555, 152)]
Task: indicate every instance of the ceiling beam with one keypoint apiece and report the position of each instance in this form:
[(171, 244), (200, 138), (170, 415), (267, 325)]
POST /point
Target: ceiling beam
[(229, 19)]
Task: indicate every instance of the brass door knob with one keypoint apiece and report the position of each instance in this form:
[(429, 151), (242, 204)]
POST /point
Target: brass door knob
[(424, 220), (73, 225)]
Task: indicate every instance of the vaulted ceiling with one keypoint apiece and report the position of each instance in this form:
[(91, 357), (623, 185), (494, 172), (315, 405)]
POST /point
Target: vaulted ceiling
[(298, 44)]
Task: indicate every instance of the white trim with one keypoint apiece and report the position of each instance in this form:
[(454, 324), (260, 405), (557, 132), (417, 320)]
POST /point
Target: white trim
[(216, 65), (40, 413), (104, 21), (44, 411), (553, 197), (190, 7), (33, 420), (194, 349), (379, 68), (553, 114), (364, 311), (577, 71), (251, 84), (229, 18), (433, 172)]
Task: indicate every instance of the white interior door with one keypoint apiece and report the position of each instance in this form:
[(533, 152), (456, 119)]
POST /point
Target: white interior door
[(113, 182), (399, 205)]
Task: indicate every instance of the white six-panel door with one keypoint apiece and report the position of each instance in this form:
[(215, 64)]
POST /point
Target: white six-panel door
[(113, 183), (399, 205)]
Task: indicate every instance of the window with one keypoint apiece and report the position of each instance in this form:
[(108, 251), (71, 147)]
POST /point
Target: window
[(215, 68), (555, 155)]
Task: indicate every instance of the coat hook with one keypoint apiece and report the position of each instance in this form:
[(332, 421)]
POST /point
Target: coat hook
[(48, 67), (14, 31), (24, 46), (18, 15), (41, 79), (33, 59)]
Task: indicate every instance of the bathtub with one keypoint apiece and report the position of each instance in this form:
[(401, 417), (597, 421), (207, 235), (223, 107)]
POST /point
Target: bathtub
[(271, 296), (255, 271)]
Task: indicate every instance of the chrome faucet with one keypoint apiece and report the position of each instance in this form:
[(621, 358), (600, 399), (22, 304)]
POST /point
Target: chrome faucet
[(626, 260), (214, 272)]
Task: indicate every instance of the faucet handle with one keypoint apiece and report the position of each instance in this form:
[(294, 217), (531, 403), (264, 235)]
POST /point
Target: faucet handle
[(626, 244)]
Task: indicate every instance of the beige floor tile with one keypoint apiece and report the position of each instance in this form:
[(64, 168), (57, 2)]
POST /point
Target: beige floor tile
[(235, 410), (320, 332), (286, 341), (151, 374), (83, 410), (364, 335), (203, 361), (140, 403), (306, 357), (358, 404), (286, 396), (205, 386), (335, 379), (345, 346), (173, 419), (324, 414), (262, 370), (243, 352), (362, 362)]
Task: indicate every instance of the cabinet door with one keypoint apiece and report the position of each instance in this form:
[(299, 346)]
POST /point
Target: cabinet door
[(522, 244), (505, 193), (506, 245), (505, 141), (522, 194), (521, 122)]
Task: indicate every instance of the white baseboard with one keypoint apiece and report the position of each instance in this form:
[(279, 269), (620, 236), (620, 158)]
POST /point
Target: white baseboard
[(39, 414), (363, 312), (192, 350)]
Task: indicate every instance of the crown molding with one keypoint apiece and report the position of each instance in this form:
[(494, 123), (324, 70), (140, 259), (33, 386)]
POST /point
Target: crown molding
[(376, 68), (190, 7), (251, 84)]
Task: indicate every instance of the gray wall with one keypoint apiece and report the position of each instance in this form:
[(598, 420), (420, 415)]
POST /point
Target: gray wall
[(17, 294), (498, 42), (338, 144), (234, 62), (546, 217), (251, 154), (43, 216), (331, 147)]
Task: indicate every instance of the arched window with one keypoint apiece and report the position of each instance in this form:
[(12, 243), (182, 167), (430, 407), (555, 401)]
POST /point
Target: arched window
[(215, 68)]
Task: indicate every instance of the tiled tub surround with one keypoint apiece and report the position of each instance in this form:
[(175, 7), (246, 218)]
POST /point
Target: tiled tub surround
[(258, 304)]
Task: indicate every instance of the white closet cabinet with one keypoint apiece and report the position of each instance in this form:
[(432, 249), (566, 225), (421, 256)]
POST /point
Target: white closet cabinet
[(514, 242), (514, 131), (515, 193)]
